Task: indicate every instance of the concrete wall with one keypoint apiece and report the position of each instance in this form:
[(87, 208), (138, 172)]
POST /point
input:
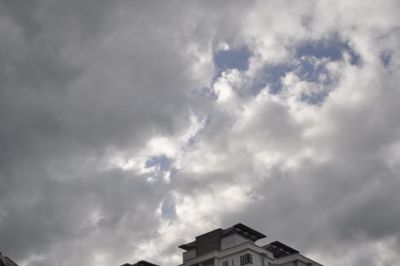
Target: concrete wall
[(208, 242), (233, 240)]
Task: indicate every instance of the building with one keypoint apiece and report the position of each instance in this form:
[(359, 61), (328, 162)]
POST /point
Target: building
[(236, 246), (5, 261), (140, 263)]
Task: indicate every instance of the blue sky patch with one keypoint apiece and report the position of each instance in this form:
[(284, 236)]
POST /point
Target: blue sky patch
[(331, 48), (310, 70), (232, 58), (355, 58), (307, 69), (163, 166), (321, 49), (315, 97), (270, 75), (161, 161), (309, 64), (313, 70), (168, 210), (386, 58)]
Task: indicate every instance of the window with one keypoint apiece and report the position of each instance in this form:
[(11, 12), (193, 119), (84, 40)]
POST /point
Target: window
[(246, 259), (225, 263)]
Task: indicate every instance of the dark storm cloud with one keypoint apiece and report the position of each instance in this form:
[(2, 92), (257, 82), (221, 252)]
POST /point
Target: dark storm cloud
[(71, 91), (45, 211), (35, 76), (70, 77)]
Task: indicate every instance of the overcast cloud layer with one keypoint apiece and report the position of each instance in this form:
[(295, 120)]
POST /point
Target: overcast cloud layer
[(129, 127)]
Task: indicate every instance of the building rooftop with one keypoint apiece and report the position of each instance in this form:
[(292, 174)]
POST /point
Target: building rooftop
[(279, 249), (140, 263), (245, 231), (239, 228), (236, 246)]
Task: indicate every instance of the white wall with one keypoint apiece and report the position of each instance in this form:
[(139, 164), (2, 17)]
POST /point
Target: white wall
[(234, 259)]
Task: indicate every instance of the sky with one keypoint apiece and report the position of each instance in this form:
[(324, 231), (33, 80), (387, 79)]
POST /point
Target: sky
[(129, 127)]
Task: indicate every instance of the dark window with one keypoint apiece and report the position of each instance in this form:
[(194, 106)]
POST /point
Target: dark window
[(225, 263), (246, 259)]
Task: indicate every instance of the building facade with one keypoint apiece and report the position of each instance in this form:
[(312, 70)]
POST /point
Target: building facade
[(236, 246)]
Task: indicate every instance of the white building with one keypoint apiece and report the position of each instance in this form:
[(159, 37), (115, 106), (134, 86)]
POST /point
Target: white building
[(235, 246)]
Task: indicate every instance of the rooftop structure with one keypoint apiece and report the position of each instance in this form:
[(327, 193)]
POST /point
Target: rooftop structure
[(235, 246), (140, 263)]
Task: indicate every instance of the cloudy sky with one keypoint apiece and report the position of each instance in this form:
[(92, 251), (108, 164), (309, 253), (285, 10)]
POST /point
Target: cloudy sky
[(129, 127)]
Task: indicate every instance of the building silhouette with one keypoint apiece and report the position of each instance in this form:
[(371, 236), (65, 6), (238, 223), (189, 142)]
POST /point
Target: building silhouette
[(6, 261), (236, 246), (140, 263)]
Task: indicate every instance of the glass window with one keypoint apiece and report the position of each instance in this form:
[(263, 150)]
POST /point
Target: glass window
[(246, 259)]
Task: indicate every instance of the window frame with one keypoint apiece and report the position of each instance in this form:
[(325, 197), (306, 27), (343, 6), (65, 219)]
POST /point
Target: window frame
[(246, 259)]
